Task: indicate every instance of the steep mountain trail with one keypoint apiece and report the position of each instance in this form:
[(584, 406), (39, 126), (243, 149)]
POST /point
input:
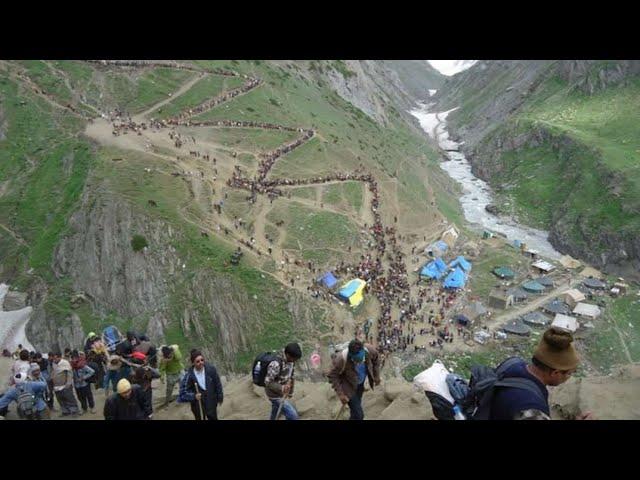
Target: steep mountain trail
[(141, 117), (15, 236)]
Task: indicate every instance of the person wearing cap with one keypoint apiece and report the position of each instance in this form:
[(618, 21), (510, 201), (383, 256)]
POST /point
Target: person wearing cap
[(202, 388), (349, 372), (554, 361), (171, 369), (91, 339), (279, 382), (62, 377), (22, 384), (113, 373), (128, 403)]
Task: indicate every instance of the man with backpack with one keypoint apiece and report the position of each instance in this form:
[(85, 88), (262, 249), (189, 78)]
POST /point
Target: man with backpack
[(171, 369), (515, 390), (201, 387), (276, 374), (554, 361), (28, 395), (351, 368)]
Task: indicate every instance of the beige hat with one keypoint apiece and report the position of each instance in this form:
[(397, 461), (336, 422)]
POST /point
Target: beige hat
[(556, 350), (123, 385)]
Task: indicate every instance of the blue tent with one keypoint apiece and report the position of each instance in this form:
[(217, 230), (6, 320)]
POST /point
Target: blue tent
[(349, 289), (442, 245), (455, 279), (437, 248), (328, 280), (461, 262), (517, 244), (434, 269)]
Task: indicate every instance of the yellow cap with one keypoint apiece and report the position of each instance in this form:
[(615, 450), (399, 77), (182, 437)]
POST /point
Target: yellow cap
[(123, 385)]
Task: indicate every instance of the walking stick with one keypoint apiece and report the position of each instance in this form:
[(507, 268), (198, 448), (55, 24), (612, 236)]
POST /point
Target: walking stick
[(199, 401), (284, 397), (340, 412)]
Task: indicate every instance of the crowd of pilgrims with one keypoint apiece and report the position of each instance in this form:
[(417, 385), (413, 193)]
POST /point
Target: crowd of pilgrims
[(390, 289)]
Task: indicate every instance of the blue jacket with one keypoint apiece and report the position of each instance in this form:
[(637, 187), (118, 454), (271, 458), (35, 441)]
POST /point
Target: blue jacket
[(37, 389), (81, 375), (508, 402)]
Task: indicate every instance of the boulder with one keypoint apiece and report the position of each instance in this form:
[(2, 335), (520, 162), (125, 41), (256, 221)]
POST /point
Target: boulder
[(14, 301), (394, 387)]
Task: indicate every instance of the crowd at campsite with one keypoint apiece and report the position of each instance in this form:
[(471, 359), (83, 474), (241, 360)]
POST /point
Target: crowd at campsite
[(124, 366)]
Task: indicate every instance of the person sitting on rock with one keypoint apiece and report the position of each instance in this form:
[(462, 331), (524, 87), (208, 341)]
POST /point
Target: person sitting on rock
[(349, 372)]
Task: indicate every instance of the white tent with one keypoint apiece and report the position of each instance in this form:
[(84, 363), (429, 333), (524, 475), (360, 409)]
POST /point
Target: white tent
[(587, 310), (542, 265), (566, 322)]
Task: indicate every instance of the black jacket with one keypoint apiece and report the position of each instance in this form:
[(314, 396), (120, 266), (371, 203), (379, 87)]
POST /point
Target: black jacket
[(214, 394), (133, 408)]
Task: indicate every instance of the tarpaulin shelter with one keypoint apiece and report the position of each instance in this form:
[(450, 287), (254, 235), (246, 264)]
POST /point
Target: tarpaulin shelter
[(573, 297), (546, 282), (516, 327), (594, 284), (536, 318), (504, 272), (566, 322), (533, 287), (518, 293), (587, 310), (434, 269), (462, 320), (328, 280), (556, 306), (437, 249), (455, 279), (461, 262), (352, 292)]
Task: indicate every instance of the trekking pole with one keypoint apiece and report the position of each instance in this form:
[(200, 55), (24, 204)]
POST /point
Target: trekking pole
[(284, 397), (340, 412), (199, 401)]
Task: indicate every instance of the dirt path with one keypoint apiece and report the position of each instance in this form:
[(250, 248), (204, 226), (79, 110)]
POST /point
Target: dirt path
[(184, 88), (622, 341), (531, 306), (15, 236)]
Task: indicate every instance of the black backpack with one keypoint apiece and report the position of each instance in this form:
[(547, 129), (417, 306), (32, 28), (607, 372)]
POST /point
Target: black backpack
[(260, 364), (483, 384), (26, 403)]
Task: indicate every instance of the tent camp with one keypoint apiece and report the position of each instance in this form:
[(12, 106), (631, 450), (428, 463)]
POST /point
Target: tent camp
[(328, 280), (587, 310), (352, 292), (462, 263), (536, 318), (474, 310), (573, 297), (543, 266), (455, 279), (556, 306), (546, 282), (533, 287), (516, 327), (434, 269), (519, 295), (504, 272), (437, 249), (566, 322), (500, 298), (594, 284)]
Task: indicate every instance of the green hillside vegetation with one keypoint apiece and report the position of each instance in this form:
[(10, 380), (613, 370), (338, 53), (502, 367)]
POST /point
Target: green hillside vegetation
[(549, 184), (204, 89), (347, 196)]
